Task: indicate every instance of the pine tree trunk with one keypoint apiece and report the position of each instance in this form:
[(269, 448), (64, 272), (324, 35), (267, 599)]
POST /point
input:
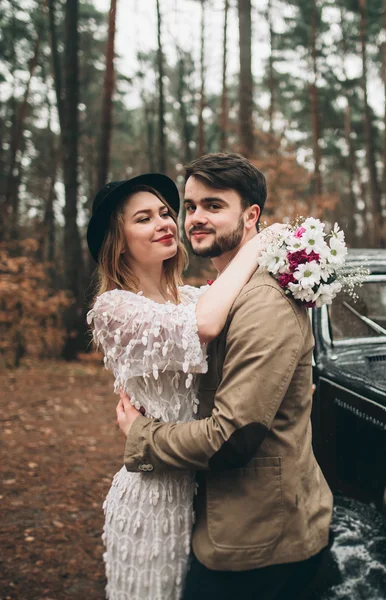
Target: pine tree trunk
[(56, 67), (148, 112), (10, 115), (3, 160), (47, 238), (107, 107), (70, 135), (375, 191), (49, 221), (5, 208), (46, 250), (271, 71), (14, 170), (224, 94), (351, 164), (161, 98), (73, 267), (351, 167), (384, 91), (314, 100), (201, 129), (245, 84), (185, 129)]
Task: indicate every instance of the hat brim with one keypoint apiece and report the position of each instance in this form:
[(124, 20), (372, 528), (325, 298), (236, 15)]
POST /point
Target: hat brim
[(97, 227)]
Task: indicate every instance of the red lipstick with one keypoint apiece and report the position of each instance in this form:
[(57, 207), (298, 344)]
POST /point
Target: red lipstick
[(165, 238)]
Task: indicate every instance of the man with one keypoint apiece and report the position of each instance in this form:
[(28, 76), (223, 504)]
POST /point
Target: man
[(263, 508)]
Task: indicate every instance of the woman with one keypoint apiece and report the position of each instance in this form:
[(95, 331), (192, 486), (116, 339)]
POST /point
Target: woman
[(153, 333)]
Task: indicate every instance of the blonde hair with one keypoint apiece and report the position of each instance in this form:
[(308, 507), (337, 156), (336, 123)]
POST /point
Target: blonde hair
[(113, 271)]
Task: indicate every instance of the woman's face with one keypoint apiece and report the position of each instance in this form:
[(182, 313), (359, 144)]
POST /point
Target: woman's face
[(150, 232)]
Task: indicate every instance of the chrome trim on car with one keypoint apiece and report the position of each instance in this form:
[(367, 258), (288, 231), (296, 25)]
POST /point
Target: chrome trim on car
[(352, 393), (354, 341)]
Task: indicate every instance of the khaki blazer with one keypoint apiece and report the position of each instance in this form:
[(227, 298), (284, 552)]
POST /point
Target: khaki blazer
[(262, 498)]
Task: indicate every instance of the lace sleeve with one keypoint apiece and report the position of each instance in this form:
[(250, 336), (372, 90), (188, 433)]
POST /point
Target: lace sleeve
[(144, 337), (191, 293)]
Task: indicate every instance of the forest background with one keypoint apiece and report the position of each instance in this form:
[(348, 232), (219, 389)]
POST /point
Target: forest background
[(297, 86)]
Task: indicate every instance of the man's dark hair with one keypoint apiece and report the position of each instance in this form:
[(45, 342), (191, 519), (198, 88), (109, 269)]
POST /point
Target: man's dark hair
[(230, 172)]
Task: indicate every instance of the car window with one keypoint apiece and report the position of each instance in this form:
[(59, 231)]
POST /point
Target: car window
[(371, 304)]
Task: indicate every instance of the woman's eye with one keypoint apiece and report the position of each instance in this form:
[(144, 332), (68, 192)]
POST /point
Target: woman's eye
[(143, 220), (166, 214)]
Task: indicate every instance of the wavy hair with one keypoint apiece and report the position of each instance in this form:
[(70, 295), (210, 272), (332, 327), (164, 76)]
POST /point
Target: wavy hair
[(113, 272)]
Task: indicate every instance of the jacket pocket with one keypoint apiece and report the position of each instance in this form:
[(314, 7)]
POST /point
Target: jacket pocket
[(245, 506)]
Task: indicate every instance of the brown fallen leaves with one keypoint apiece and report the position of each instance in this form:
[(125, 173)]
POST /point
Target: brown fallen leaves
[(59, 450), (30, 308)]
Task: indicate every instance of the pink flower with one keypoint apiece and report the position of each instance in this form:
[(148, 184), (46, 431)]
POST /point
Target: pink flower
[(285, 278), (300, 257), (299, 232)]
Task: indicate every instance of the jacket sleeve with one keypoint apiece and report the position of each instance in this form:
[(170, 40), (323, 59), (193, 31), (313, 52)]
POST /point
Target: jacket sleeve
[(263, 347)]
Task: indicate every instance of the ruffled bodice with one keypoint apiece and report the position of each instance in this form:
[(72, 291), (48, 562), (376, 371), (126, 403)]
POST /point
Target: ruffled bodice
[(152, 349)]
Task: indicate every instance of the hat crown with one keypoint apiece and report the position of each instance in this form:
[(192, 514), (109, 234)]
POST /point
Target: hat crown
[(113, 192), (103, 193)]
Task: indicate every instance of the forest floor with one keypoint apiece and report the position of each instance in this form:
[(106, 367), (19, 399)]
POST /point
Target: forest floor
[(59, 449)]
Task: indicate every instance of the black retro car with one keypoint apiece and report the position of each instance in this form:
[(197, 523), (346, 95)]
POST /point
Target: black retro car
[(349, 409)]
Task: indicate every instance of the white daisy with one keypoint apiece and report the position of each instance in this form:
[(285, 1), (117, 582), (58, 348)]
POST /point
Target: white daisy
[(308, 274), (336, 287), (326, 269), (294, 244), (337, 252), (301, 293), (312, 240), (326, 293), (337, 233), (314, 224), (284, 234), (273, 259)]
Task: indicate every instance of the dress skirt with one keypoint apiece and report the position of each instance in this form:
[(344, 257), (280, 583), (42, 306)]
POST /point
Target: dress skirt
[(147, 534)]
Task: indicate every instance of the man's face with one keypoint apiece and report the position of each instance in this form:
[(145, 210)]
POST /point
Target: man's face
[(214, 221)]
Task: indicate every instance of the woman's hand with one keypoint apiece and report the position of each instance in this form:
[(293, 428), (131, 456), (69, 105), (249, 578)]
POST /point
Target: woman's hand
[(126, 413), (274, 229), (260, 241)]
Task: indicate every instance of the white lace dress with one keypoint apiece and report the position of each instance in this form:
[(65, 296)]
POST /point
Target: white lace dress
[(154, 352)]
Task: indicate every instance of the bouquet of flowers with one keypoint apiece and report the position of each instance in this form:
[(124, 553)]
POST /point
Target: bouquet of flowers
[(309, 263)]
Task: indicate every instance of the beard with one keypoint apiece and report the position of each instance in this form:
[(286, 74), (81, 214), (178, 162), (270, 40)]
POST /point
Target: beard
[(222, 243)]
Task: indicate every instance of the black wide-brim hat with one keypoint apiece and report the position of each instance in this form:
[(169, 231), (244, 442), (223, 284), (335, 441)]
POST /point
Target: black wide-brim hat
[(112, 193)]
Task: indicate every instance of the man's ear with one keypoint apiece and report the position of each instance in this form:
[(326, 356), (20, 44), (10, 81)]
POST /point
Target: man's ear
[(251, 216)]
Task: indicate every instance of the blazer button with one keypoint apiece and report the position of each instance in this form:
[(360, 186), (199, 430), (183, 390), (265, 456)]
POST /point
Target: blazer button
[(141, 467), (150, 467)]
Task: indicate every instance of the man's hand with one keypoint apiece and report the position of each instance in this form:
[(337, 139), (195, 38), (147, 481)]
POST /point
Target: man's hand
[(126, 413)]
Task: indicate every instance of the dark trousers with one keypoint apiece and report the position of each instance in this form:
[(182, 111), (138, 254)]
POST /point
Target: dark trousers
[(291, 581)]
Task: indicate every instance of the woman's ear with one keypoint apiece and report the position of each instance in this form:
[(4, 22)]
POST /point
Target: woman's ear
[(124, 248), (252, 216)]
